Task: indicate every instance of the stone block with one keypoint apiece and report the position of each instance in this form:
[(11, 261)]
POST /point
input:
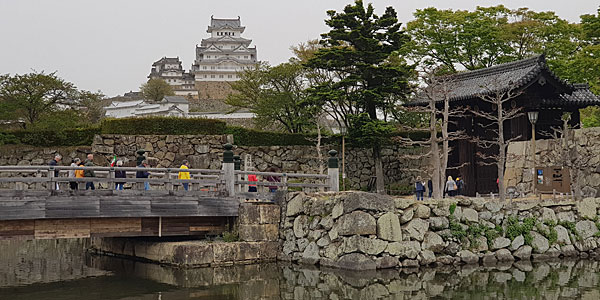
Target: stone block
[(357, 222), (103, 149), (587, 208), (249, 213), (269, 214), (248, 251), (388, 227), (367, 201), (225, 252), (356, 261), (191, 254), (256, 233)]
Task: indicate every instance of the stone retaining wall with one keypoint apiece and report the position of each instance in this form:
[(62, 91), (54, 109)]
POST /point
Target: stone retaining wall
[(518, 171), (355, 230)]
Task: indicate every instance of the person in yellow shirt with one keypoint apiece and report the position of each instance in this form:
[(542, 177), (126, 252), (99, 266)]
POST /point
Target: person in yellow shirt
[(184, 175)]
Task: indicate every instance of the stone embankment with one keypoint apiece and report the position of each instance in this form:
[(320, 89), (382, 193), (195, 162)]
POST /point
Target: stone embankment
[(355, 230), (256, 242)]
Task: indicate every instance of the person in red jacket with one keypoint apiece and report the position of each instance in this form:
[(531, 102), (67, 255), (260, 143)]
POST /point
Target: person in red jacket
[(252, 187)]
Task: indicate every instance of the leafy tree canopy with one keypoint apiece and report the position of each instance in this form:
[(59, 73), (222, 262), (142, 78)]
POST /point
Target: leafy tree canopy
[(156, 89), (29, 96), (361, 49), (277, 95)]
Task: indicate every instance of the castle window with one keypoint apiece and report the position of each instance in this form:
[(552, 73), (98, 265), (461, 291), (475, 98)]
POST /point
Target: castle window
[(220, 76), (205, 76), (204, 67), (212, 76), (228, 76)]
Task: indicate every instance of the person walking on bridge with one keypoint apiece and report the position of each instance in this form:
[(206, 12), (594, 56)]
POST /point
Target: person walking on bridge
[(73, 173), (184, 175), (120, 174), (89, 162), (143, 174), (53, 163)]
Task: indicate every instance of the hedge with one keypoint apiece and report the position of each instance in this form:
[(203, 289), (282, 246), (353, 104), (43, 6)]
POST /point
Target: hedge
[(250, 137), (163, 125), (67, 137), (177, 126)]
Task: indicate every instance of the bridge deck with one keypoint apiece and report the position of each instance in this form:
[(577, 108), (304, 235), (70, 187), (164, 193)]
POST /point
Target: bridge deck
[(60, 214)]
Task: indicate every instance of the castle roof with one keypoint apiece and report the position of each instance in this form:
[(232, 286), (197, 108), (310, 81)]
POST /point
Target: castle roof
[(167, 60), (225, 23)]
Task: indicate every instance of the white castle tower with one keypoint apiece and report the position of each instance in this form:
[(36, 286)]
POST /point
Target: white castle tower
[(224, 53)]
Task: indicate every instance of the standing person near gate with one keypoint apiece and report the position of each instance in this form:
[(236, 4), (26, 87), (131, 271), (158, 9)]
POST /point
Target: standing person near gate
[(119, 174), (184, 175), (89, 162), (430, 187), (419, 188), (252, 187)]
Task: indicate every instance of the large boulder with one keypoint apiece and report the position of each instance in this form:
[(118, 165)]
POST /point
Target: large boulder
[(586, 228), (562, 235), (566, 216), (587, 208), (310, 255), (500, 242), (406, 249), (300, 226), (368, 201), (356, 261), (295, 206), (432, 241), (370, 246), (523, 253), (416, 229), (407, 215), (468, 257), (539, 242), (470, 215), (357, 222), (504, 255), (548, 215), (438, 223), (426, 257), (517, 243), (422, 211), (388, 227)]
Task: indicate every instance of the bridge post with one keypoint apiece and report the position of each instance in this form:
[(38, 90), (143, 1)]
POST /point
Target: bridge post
[(333, 172), (111, 174), (50, 174), (237, 165), (229, 169)]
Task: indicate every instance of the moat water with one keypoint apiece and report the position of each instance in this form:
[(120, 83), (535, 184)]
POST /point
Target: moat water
[(61, 269)]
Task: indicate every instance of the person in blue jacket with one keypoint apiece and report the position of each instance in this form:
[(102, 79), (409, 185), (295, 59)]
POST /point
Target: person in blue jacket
[(419, 188)]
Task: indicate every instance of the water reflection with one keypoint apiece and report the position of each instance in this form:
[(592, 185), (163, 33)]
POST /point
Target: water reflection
[(61, 270)]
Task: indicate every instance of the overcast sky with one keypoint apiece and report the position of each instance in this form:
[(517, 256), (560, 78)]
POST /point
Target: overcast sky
[(110, 45)]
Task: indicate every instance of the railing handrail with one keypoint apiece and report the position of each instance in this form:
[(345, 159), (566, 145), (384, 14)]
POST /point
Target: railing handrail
[(98, 168), (299, 175)]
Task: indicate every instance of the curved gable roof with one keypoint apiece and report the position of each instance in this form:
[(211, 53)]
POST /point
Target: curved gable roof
[(508, 76)]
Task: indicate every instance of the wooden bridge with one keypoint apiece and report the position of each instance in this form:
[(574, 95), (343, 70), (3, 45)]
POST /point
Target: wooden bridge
[(37, 202)]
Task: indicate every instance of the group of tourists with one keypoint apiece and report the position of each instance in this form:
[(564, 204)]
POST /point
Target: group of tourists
[(451, 188), (119, 173), (252, 188)]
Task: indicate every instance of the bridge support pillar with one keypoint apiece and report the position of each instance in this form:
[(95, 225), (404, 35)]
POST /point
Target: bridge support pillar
[(229, 169), (333, 171)]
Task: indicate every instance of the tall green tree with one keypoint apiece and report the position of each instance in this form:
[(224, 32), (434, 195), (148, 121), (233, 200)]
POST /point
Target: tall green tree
[(156, 89), (31, 96), (360, 47), (277, 96)]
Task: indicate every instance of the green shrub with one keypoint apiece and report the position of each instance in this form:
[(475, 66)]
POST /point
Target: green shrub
[(163, 125), (514, 228), (230, 236), (400, 189), (452, 208), (66, 137), (251, 137), (7, 138)]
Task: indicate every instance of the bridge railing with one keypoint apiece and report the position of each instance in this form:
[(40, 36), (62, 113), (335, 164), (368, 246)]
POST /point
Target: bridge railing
[(230, 180), (44, 177)]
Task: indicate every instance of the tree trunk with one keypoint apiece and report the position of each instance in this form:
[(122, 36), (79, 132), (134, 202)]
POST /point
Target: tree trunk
[(445, 144), (502, 152), (379, 183), (436, 167)]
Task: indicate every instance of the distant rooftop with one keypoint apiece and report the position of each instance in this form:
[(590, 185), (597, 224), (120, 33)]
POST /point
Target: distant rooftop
[(225, 23)]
